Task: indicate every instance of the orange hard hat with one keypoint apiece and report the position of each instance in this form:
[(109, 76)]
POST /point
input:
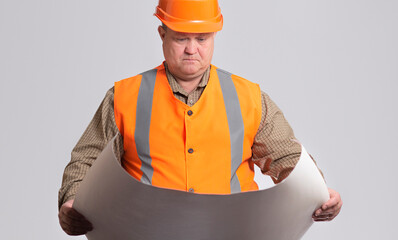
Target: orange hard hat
[(194, 16)]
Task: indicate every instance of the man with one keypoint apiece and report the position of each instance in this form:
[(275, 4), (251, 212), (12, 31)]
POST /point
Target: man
[(187, 124)]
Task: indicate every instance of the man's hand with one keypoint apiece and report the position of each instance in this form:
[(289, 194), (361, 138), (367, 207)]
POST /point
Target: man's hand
[(72, 222), (329, 209)]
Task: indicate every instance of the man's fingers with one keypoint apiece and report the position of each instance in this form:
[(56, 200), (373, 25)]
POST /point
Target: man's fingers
[(75, 228), (68, 212), (71, 221), (326, 216), (318, 212), (323, 218), (329, 210), (72, 226), (72, 214), (334, 199)]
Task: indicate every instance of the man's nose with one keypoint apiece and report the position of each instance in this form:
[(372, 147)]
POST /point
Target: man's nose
[(191, 47)]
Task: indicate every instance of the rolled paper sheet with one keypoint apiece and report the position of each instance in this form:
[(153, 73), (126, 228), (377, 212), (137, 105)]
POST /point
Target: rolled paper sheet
[(120, 207)]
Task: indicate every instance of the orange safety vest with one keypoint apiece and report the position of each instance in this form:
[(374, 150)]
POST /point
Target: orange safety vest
[(205, 148)]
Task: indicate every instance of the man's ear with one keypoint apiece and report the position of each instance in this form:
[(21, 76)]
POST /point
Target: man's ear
[(162, 32)]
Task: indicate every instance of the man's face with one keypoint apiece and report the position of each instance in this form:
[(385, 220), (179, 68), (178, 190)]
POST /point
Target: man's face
[(187, 55)]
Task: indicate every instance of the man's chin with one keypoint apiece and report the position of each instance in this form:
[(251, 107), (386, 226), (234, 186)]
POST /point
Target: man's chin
[(190, 71)]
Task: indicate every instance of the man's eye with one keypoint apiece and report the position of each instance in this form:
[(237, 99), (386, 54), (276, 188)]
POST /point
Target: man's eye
[(181, 39)]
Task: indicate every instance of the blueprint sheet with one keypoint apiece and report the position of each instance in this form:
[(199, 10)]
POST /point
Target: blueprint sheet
[(120, 207)]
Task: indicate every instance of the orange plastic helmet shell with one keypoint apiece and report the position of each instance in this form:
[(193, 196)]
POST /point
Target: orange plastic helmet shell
[(193, 16)]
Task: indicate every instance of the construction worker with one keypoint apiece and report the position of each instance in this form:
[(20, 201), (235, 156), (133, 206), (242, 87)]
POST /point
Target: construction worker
[(186, 124)]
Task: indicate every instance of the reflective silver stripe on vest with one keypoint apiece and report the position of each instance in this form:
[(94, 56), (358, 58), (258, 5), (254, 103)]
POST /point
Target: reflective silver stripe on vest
[(143, 122), (235, 123)]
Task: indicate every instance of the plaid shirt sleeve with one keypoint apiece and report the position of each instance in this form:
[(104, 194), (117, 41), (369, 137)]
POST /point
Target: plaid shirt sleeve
[(275, 150), (99, 132)]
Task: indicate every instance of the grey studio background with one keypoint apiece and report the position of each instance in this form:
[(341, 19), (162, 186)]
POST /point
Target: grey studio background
[(331, 66)]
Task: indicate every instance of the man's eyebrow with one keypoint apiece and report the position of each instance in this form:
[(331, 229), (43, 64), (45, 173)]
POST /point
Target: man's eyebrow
[(181, 35)]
